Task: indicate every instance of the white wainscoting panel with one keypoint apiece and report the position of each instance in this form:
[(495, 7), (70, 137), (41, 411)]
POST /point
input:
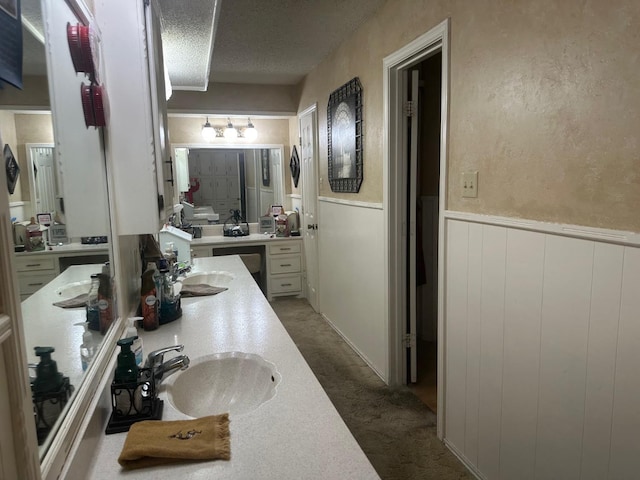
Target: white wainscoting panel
[(351, 274), (625, 432), (542, 338)]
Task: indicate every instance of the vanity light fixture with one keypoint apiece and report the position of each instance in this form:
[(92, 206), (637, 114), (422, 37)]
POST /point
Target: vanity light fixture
[(230, 132), (208, 132), (250, 133)]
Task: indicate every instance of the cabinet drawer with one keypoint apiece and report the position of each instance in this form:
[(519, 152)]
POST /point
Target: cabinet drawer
[(284, 264), (39, 262), (32, 282), (285, 284), (201, 252), (280, 248)]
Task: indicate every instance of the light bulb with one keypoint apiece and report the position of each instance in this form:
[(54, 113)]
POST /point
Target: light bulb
[(208, 132), (250, 133), (230, 132)]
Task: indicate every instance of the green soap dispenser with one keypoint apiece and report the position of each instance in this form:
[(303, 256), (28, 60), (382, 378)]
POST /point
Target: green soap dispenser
[(127, 370), (48, 379)]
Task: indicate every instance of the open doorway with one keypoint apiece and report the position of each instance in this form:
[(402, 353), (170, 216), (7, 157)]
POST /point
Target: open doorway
[(401, 205), (423, 197)]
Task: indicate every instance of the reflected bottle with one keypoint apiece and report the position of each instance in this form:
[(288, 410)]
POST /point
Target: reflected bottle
[(105, 302), (92, 308)]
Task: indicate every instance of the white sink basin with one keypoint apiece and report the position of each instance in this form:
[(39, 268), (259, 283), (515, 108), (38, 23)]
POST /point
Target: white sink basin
[(72, 290), (229, 382), (215, 278)]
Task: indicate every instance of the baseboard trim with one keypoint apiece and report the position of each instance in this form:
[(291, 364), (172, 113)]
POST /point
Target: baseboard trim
[(355, 349), (619, 237), (472, 469)]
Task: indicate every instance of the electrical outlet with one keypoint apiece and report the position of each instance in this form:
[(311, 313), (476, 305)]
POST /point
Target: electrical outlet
[(470, 184)]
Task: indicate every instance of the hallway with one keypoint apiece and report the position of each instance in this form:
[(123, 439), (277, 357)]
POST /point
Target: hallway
[(394, 428)]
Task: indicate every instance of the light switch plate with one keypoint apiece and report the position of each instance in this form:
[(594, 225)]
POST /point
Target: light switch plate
[(470, 184)]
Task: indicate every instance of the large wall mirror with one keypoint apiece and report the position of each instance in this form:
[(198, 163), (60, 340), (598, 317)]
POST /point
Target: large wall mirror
[(62, 186), (222, 178)]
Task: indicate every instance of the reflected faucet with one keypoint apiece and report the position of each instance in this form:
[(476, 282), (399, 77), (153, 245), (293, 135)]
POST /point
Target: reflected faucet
[(162, 369)]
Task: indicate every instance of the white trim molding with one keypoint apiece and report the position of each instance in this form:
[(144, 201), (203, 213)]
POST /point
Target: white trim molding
[(618, 237), (351, 203)]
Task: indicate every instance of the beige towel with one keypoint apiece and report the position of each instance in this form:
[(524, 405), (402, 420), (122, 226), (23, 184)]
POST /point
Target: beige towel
[(79, 301), (200, 289), (154, 442)]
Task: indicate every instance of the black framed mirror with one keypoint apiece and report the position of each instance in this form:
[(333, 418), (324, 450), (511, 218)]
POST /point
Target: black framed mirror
[(344, 131)]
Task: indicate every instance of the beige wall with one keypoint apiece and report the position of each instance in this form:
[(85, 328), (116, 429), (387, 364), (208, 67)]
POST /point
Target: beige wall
[(227, 98), (188, 130), (544, 103), (34, 95)]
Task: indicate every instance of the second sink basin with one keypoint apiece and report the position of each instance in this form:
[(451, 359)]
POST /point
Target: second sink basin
[(214, 278), (233, 382)]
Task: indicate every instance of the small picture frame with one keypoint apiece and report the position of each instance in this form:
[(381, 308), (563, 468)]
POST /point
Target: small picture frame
[(276, 210), (44, 219), (267, 224)]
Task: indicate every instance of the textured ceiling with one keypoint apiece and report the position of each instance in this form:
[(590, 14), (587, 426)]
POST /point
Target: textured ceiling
[(280, 41), (187, 40), (256, 41)]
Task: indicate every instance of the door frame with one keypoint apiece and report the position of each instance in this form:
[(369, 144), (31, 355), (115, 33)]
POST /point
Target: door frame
[(395, 191), (313, 111)]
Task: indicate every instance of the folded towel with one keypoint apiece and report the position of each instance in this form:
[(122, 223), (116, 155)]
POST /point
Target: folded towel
[(154, 442), (200, 289), (79, 301)]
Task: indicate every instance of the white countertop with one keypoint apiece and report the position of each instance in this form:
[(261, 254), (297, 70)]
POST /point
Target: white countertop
[(298, 434), (74, 247), (251, 238), (48, 325)]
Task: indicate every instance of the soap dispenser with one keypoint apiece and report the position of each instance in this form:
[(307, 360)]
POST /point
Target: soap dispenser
[(50, 392), (48, 379), (126, 374), (132, 331)]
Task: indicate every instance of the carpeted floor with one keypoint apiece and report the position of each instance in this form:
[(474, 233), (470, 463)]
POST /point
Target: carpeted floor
[(395, 430)]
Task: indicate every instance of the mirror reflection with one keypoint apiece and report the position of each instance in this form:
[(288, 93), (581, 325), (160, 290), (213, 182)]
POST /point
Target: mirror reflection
[(61, 244), (216, 181)]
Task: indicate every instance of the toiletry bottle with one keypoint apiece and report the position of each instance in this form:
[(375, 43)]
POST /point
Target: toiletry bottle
[(132, 331), (104, 302), (93, 311), (126, 374), (88, 347), (149, 304)]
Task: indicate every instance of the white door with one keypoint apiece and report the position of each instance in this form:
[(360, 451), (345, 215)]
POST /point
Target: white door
[(44, 175), (308, 169), (412, 119)]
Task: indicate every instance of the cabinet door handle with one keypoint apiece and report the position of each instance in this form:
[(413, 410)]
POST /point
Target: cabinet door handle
[(35, 284), (285, 249), (33, 264), (285, 264), (285, 284)]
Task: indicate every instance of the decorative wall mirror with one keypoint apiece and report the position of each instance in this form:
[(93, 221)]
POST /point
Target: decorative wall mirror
[(59, 272), (231, 177), (344, 131)]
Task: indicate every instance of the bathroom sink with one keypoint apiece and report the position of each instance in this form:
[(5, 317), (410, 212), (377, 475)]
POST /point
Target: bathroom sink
[(72, 290), (215, 278), (229, 382)]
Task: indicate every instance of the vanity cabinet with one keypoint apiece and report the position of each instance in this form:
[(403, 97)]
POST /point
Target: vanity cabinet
[(137, 131), (34, 273), (284, 269)]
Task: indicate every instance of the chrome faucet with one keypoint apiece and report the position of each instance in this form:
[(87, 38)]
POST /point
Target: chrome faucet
[(162, 369)]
